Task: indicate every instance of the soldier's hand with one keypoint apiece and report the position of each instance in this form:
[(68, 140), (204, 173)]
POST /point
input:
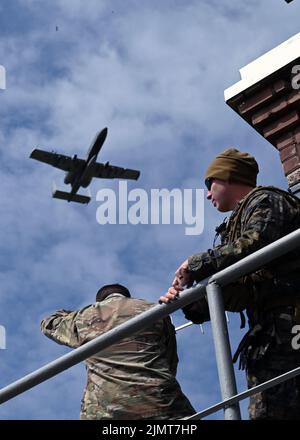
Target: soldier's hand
[(182, 277), (182, 280), (171, 295)]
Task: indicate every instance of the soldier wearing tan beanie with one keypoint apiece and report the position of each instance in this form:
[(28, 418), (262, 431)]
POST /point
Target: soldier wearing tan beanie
[(229, 178), (234, 166), (270, 296)]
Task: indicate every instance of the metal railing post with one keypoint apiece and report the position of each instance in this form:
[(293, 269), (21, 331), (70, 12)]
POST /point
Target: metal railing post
[(222, 349)]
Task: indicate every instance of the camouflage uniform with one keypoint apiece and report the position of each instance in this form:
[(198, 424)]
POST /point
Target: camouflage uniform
[(132, 379), (271, 296)]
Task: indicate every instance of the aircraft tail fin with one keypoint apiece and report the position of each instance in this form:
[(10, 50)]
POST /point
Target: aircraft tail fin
[(70, 197)]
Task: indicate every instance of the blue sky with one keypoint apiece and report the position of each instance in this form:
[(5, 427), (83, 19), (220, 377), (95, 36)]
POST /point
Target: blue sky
[(154, 73)]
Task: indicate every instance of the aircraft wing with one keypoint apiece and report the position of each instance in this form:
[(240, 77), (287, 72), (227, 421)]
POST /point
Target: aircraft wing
[(106, 171), (60, 161)]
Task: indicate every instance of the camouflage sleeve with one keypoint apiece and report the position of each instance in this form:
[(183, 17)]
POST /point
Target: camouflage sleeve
[(197, 312), (263, 221), (61, 328)]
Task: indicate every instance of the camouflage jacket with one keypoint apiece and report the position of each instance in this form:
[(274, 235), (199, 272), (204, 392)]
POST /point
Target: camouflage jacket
[(263, 216), (132, 379)]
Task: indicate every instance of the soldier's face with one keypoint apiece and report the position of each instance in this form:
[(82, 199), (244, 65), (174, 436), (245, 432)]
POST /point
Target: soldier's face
[(220, 194)]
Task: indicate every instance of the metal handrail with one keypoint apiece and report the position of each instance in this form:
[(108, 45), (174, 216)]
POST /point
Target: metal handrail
[(247, 265), (183, 326), (188, 324), (243, 395)]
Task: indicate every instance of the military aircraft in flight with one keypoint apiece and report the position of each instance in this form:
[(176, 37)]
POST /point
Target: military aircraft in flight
[(80, 172)]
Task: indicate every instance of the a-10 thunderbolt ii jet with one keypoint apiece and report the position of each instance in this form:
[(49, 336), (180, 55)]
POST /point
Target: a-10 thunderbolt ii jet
[(80, 172)]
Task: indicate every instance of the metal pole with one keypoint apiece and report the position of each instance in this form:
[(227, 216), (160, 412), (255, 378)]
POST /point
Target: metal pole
[(257, 259), (188, 324), (222, 349), (181, 327), (257, 389)]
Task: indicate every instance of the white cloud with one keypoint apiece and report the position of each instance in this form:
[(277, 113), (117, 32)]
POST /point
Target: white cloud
[(154, 74)]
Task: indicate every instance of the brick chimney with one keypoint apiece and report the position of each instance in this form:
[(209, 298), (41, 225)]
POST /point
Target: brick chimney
[(268, 98)]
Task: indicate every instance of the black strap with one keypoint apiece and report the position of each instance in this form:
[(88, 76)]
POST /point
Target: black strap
[(243, 320), (241, 346)]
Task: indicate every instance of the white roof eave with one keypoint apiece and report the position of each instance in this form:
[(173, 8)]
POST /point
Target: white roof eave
[(265, 65)]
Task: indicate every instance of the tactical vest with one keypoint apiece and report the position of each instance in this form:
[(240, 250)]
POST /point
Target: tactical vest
[(267, 294), (237, 219), (253, 291)]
